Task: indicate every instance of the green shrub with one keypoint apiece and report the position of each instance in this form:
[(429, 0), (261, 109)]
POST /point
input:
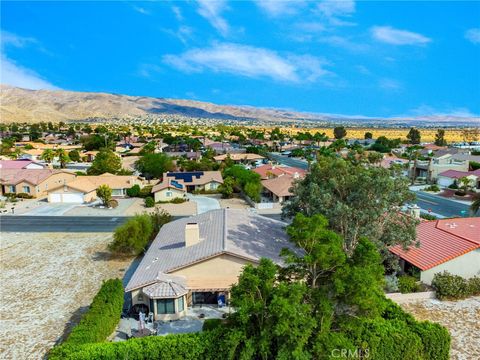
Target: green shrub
[(146, 191), (453, 186), (24, 196), (448, 286), (428, 216), (408, 284), (149, 202), (98, 322), (178, 200), (112, 203), (435, 338), (474, 286), (210, 324), (433, 188), (134, 191), (132, 237)]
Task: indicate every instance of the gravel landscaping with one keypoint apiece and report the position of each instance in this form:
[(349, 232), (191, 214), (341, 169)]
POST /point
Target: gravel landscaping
[(48, 280), (461, 318)]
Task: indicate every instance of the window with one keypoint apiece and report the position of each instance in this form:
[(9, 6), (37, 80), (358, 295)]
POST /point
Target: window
[(166, 306), (26, 189), (169, 194), (11, 188), (140, 297), (180, 304)]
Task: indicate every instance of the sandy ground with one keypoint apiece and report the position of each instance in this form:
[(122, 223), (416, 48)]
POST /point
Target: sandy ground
[(185, 209), (234, 203), (461, 318), (128, 162), (48, 280)]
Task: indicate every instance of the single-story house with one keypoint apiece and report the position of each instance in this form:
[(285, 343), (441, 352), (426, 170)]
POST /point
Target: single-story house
[(196, 260), (450, 177), (89, 156), (20, 164), (278, 188), (35, 182), (32, 154), (196, 180), (239, 158), (168, 190), (84, 188), (269, 171), (451, 245)]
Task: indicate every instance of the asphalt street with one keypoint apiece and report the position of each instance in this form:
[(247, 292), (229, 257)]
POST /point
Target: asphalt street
[(285, 160), (25, 223)]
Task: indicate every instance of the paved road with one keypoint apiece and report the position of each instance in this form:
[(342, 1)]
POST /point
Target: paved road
[(285, 160), (442, 206), (25, 223)]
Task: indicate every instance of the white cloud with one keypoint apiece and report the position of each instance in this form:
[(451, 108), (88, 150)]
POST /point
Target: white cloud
[(141, 10), (334, 10), (212, 11), (17, 75), (389, 84), (275, 8), (393, 36), (178, 13), (14, 74), (427, 110), (473, 35), (250, 62)]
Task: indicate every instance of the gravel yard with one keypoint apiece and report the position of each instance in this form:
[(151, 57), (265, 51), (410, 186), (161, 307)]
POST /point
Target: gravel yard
[(461, 318), (234, 203), (48, 280)]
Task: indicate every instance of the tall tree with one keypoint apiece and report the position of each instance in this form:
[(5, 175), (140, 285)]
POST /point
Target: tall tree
[(104, 192), (357, 200), (62, 156), (414, 136), (48, 155), (106, 161), (440, 138), (368, 135), (339, 132), (154, 165)]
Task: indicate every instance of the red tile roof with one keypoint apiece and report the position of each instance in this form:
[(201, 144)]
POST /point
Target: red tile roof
[(455, 174), (14, 164), (268, 171), (441, 241)]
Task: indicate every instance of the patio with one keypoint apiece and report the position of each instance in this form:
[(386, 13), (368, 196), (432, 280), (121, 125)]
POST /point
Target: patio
[(192, 322)]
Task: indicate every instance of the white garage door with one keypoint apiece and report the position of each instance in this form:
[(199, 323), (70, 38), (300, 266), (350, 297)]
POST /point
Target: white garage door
[(72, 198), (55, 198)]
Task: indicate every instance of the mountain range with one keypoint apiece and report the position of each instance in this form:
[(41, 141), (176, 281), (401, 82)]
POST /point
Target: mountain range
[(23, 105)]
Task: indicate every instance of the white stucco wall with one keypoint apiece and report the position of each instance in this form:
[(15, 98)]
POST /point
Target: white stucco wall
[(467, 265)]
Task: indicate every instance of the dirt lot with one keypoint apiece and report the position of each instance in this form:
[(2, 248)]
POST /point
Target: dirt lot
[(234, 203), (48, 280), (461, 318)]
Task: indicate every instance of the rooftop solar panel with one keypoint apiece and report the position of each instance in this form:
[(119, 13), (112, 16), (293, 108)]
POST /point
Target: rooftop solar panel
[(186, 176), (176, 184)]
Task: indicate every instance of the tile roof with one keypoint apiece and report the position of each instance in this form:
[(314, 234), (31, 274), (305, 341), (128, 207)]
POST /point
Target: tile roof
[(166, 286), (169, 183), (280, 185), (224, 231), (195, 177), (14, 164), (32, 176), (455, 174), (267, 171), (441, 241), (90, 183), (238, 157)]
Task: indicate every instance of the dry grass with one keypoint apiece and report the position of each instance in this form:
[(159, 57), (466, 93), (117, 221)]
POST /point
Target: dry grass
[(48, 280), (461, 318)]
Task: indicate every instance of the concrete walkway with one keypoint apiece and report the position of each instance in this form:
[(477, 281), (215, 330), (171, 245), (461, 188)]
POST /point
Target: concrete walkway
[(204, 203), (51, 210)]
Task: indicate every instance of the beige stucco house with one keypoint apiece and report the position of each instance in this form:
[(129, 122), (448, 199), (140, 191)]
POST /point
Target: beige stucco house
[(196, 260), (34, 182), (84, 188), (195, 180), (168, 190), (451, 245)]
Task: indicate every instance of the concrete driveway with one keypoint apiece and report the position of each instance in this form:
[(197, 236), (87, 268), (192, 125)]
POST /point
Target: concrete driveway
[(204, 203), (51, 209)]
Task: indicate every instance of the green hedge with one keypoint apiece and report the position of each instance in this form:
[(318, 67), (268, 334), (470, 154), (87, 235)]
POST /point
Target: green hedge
[(98, 322), (408, 284), (448, 286)]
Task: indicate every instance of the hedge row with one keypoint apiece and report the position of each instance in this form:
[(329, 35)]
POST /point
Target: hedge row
[(396, 335), (98, 322), (448, 286)]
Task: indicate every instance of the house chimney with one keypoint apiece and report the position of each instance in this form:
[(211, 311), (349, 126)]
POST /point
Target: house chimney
[(414, 211), (192, 234)]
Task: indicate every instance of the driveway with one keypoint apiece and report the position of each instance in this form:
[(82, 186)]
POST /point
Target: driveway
[(204, 203), (51, 209)]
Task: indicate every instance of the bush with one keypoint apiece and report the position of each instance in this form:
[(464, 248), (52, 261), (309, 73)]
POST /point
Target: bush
[(98, 322), (448, 286), (134, 191), (149, 202), (391, 283), (178, 200), (146, 191), (433, 188), (460, 193), (112, 203), (210, 324), (474, 286), (408, 284), (428, 216), (132, 237), (24, 196), (453, 186)]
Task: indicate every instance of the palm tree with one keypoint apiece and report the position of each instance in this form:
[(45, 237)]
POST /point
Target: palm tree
[(48, 155), (475, 207), (62, 157)]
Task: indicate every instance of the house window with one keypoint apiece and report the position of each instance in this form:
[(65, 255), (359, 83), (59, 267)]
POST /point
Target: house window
[(140, 297), (169, 194), (11, 188), (180, 304), (166, 306), (26, 189)]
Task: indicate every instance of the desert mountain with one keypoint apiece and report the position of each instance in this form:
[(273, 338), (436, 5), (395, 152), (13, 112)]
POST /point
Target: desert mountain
[(22, 105)]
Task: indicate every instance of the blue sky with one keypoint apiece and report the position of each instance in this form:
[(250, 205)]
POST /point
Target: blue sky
[(339, 57)]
